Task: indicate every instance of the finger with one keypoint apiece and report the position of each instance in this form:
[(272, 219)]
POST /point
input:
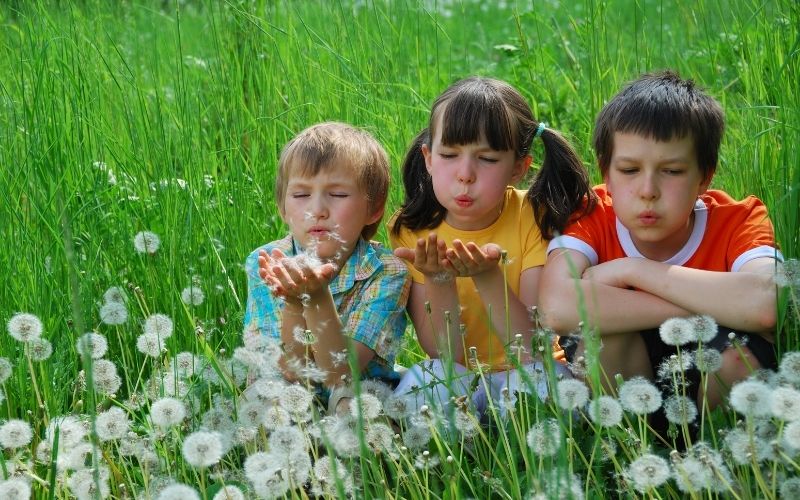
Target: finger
[(432, 253), (492, 251), (277, 254), (404, 253)]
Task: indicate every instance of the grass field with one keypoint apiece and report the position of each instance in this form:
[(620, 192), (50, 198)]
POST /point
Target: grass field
[(168, 117)]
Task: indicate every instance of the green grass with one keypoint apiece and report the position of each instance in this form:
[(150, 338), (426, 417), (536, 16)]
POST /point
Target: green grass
[(208, 92)]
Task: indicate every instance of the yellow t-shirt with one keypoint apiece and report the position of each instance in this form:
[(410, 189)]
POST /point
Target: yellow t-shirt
[(515, 231)]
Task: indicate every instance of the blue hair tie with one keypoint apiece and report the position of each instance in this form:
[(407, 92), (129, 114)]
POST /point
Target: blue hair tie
[(540, 129)]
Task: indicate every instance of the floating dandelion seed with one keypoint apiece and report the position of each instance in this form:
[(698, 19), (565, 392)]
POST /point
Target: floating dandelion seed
[(572, 393), (638, 395), (159, 325), (303, 336), (113, 313), (6, 369), (150, 344), (167, 412), (202, 449), (705, 327), (647, 472), (178, 492), (17, 489), (92, 344), (605, 411), (193, 295), (15, 434), (751, 398), (677, 331), (544, 437), (25, 327), (680, 409), (146, 242), (112, 424)]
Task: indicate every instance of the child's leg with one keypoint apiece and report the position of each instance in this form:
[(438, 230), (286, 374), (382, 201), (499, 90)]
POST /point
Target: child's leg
[(433, 382), (530, 379), (625, 354)]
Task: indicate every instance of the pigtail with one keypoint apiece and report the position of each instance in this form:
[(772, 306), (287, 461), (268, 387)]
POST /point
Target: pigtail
[(420, 208), (561, 187)]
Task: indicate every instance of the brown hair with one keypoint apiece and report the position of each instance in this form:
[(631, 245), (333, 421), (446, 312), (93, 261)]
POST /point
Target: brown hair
[(330, 144)]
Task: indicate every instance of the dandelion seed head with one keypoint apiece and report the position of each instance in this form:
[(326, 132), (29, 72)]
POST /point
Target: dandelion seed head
[(167, 412), (705, 327), (674, 365), (15, 434), (178, 492), (286, 439), (426, 461), (303, 336), (555, 484), (791, 435), (708, 360), (691, 475), (193, 295), (416, 437), (150, 344), (377, 388), (184, 364), (790, 488), (746, 448), (229, 492), (158, 325), (647, 472), (113, 313), (680, 409), (751, 398), (92, 344), (146, 242), (638, 395), (790, 367), (70, 431), (379, 437), (25, 327), (677, 331), (275, 417), (572, 393), (544, 437), (83, 486), (112, 424), (15, 489), (218, 420), (115, 294), (397, 407), (295, 399), (785, 403), (6, 368), (366, 406), (202, 449)]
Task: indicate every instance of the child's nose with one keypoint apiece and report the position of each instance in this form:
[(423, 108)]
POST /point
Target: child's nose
[(466, 172), (319, 209), (649, 187)]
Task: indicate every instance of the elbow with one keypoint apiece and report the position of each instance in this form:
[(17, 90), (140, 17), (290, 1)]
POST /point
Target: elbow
[(767, 318), (555, 317)]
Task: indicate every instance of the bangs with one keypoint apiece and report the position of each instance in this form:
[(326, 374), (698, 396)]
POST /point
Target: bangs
[(469, 116)]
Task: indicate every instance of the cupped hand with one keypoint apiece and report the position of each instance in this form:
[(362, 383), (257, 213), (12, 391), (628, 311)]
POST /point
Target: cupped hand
[(468, 259), (428, 257), (298, 277)]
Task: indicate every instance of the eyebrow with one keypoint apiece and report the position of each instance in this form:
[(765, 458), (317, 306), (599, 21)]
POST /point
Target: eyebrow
[(634, 159)]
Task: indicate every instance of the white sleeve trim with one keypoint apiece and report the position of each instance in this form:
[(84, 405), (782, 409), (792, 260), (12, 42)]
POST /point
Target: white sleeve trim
[(756, 253), (573, 243)]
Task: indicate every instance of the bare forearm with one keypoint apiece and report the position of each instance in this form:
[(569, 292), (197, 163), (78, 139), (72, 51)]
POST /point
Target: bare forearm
[(330, 343)]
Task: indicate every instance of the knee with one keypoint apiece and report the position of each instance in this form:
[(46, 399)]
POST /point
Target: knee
[(737, 364)]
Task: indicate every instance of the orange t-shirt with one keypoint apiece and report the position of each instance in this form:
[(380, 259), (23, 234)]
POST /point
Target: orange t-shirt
[(726, 234)]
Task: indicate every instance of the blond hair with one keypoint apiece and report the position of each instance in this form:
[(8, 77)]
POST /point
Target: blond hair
[(333, 144)]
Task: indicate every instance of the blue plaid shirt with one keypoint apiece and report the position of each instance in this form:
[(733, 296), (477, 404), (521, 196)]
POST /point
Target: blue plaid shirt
[(370, 292)]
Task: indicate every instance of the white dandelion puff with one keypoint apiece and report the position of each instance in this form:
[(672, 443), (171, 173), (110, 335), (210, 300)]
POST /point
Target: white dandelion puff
[(39, 349), (25, 327), (92, 344), (16, 489), (287, 439), (677, 331), (229, 492), (791, 435), (158, 325), (751, 398), (605, 411), (146, 242), (790, 367), (745, 447), (6, 368), (150, 344), (790, 488), (366, 406), (785, 403), (184, 364), (114, 313), (638, 395), (178, 491), (707, 360), (417, 437), (303, 336), (193, 295), (379, 437), (680, 409), (112, 424), (296, 399), (705, 327), (167, 412), (544, 437), (115, 294), (15, 434), (69, 429), (647, 472), (397, 407), (275, 417), (572, 393), (202, 449)]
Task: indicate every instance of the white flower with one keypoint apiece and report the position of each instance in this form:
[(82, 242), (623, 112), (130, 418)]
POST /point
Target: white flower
[(25, 327), (705, 327), (638, 395), (790, 367), (680, 409), (150, 344), (202, 449), (647, 472), (146, 242), (15, 434), (92, 344), (605, 411), (677, 331), (785, 403), (112, 424), (15, 489), (115, 294), (5, 369), (39, 349), (178, 492), (544, 437), (572, 393), (193, 295), (158, 325), (167, 412), (113, 313), (751, 398)]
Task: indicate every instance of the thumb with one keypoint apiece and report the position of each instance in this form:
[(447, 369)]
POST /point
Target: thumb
[(404, 253), (492, 250)]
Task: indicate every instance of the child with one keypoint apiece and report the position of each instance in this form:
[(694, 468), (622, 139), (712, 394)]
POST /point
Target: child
[(659, 244), (460, 213), (326, 281)]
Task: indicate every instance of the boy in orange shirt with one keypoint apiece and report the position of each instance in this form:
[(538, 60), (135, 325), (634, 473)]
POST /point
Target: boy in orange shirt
[(660, 244)]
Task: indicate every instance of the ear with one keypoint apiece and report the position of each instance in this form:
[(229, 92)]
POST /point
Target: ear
[(706, 182), (375, 216), (607, 182), (426, 153), (521, 167)]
